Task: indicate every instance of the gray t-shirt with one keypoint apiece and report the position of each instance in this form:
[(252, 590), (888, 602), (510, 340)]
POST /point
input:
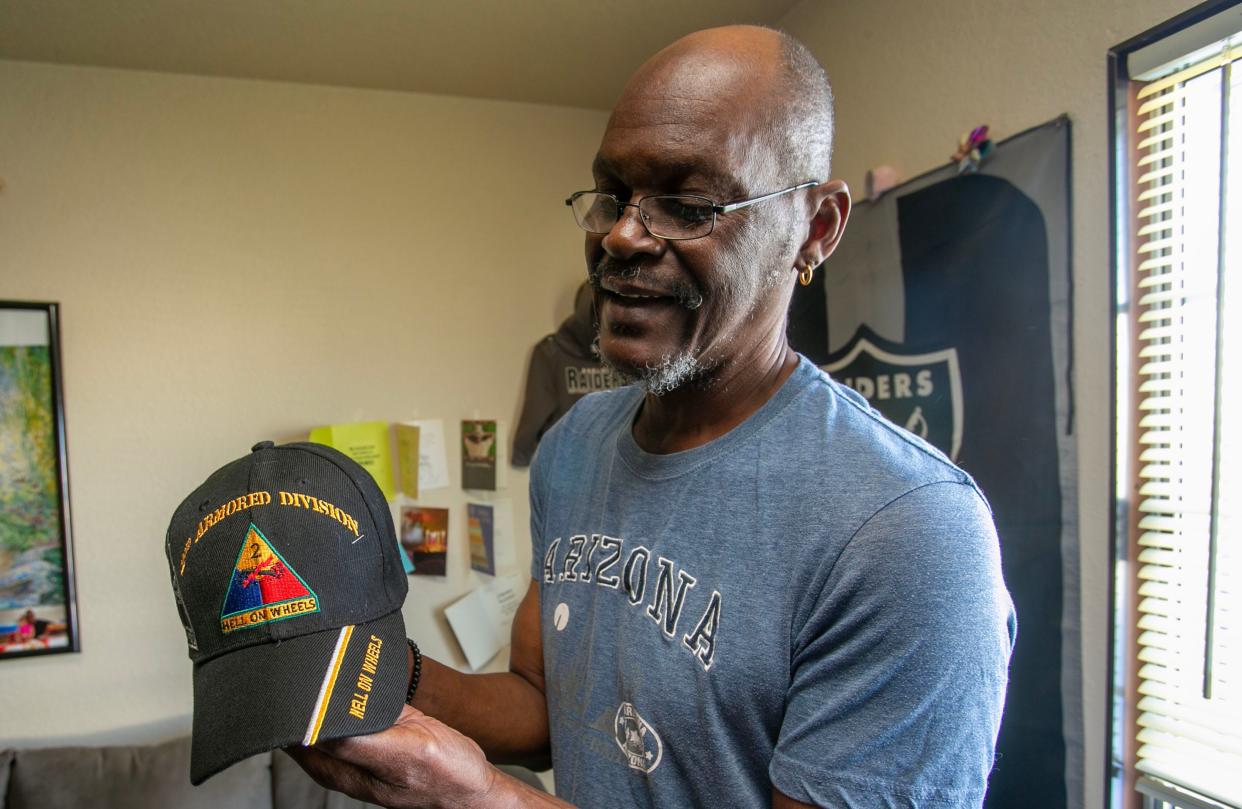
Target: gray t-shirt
[(812, 601)]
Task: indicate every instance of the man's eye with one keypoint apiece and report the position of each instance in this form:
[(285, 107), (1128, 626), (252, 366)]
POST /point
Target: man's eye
[(689, 211)]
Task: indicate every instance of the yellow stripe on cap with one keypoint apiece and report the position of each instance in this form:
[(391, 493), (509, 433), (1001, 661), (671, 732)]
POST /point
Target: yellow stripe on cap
[(325, 690)]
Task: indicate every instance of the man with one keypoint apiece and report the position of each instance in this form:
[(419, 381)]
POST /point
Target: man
[(747, 587)]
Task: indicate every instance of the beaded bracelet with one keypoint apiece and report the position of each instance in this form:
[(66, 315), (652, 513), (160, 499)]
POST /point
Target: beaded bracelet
[(415, 673)]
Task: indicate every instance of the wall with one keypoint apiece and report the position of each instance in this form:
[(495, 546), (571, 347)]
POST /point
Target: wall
[(910, 78), (241, 260)]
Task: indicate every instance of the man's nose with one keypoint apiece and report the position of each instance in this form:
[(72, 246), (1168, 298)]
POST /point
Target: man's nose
[(629, 236)]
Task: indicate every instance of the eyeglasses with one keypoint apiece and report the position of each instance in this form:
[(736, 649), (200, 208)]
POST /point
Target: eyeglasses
[(666, 216)]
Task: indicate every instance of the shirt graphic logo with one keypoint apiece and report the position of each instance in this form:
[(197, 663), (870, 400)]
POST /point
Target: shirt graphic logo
[(637, 739), (920, 392), (264, 588)]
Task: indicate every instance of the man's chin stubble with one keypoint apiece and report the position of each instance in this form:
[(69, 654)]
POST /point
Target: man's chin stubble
[(673, 372)]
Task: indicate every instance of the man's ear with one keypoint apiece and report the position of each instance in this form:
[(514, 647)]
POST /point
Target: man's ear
[(832, 201)]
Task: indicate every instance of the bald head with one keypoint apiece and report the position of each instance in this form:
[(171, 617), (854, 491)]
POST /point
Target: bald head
[(758, 76), (741, 116)]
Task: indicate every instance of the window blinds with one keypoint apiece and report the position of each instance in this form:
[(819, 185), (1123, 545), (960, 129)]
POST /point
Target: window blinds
[(1189, 398)]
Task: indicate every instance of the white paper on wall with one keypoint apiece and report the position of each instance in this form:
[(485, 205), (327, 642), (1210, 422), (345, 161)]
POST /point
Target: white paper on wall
[(483, 619), (432, 461)]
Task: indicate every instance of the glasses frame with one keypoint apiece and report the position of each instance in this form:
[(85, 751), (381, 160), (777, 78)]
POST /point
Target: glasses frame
[(716, 208)]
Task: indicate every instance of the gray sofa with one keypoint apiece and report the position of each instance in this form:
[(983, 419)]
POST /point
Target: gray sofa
[(157, 777)]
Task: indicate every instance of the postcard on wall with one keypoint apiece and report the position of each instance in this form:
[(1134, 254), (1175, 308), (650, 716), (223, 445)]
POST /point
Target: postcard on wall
[(367, 443), (479, 448), (480, 526), (432, 460), (483, 619), (424, 538), (407, 458)]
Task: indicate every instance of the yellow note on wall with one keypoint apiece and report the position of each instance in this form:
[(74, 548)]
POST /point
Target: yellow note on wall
[(407, 458), (367, 443)]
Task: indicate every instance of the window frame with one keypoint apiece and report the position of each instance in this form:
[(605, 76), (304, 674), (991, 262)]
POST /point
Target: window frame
[(1121, 775)]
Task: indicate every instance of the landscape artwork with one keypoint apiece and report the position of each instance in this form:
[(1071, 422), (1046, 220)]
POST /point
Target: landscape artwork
[(36, 611)]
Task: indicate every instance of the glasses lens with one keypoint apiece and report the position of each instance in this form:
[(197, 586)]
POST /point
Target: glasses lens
[(678, 216), (595, 212)]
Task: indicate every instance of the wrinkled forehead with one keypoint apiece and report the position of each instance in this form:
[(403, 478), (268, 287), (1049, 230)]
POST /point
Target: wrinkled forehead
[(697, 119)]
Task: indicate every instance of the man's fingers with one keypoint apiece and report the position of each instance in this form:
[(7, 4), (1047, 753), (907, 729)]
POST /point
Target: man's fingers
[(419, 761), (386, 754), (325, 769), (332, 773)]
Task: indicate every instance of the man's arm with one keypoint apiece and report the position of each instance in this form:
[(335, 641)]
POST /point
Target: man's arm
[(782, 801), (899, 662), (418, 762), (505, 713), (442, 760)]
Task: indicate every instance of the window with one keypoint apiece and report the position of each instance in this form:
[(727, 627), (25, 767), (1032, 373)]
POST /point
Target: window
[(1177, 724)]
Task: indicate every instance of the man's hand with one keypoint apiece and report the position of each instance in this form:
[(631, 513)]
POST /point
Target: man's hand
[(426, 762), (418, 762)]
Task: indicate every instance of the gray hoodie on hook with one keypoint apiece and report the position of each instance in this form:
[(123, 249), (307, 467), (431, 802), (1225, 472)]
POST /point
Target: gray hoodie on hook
[(563, 369)]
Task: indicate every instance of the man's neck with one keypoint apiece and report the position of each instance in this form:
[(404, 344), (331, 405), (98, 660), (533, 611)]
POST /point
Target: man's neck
[(699, 412)]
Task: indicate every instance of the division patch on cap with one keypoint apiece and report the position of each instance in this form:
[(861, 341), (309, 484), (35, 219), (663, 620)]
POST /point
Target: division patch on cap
[(264, 588)]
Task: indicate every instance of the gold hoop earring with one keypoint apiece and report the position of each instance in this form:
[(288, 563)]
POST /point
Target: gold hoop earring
[(805, 275)]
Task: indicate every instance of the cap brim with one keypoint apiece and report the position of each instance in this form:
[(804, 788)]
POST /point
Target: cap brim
[(327, 685)]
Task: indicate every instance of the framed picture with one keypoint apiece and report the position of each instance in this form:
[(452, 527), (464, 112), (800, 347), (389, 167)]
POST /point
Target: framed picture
[(424, 537), (38, 608)]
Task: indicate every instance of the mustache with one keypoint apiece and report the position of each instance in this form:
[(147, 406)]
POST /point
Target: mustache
[(686, 293)]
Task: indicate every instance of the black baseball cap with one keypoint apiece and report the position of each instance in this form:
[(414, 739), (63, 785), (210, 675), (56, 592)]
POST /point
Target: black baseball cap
[(288, 579)]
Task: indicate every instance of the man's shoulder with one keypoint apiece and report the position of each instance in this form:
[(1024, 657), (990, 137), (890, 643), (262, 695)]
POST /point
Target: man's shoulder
[(840, 462), (837, 436)]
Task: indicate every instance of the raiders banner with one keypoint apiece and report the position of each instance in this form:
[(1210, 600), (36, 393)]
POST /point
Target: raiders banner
[(948, 305)]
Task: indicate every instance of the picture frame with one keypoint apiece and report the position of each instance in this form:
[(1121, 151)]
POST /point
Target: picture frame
[(38, 600)]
